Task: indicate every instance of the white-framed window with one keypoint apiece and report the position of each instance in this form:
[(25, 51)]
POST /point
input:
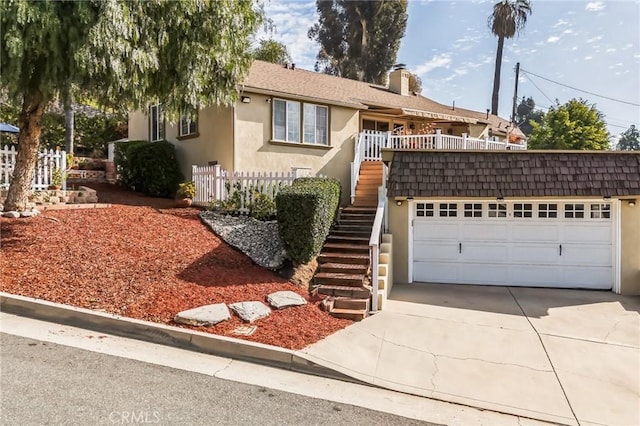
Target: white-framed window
[(497, 210), (188, 124), (300, 122), (523, 210), (601, 211), (574, 211), (472, 210), (424, 210), (546, 210), (448, 209), (156, 123)]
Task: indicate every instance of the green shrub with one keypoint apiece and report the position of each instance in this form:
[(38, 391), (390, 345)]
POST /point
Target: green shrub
[(306, 210), (186, 190), (262, 206), (149, 167)]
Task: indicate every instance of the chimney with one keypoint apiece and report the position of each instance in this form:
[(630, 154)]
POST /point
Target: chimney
[(399, 80)]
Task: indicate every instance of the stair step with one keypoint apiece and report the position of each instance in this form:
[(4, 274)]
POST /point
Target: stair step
[(348, 303), (352, 314), (342, 291), (337, 279), (358, 216), (354, 258), (359, 210), (343, 268), (355, 222), (347, 239), (366, 230), (347, 248), (351, 233)]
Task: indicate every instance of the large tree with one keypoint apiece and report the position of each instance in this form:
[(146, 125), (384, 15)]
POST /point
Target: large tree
[(359, 39), (508, 18), (124, 52), (573, 125), (272, 51), (526, 113), (629, 139)]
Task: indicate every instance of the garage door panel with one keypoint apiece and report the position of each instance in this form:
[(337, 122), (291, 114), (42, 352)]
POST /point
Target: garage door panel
[(586, 254), (435, 250), (436, 230), (535, 232), (435, 272), (484, 231), (587, 232), (546, 254), (482, 273), (598, 278), (534, 275), (484, 252)]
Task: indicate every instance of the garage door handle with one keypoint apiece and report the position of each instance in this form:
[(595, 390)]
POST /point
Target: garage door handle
[(560, 249), (459, 247)]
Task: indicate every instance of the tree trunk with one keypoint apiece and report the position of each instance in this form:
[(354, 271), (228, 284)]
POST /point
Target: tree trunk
[(28, 144), (496, 77), (68, 124)]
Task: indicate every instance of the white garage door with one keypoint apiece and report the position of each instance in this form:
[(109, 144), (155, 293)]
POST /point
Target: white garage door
[(542, 244)]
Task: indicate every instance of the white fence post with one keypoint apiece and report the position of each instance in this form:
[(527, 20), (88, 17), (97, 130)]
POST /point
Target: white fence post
[(438, 139)]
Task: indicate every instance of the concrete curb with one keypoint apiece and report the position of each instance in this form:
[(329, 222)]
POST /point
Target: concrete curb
[(207, 343)]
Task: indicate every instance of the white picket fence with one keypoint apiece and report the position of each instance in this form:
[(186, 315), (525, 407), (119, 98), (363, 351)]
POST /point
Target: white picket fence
[(48, 161), (214, 184)]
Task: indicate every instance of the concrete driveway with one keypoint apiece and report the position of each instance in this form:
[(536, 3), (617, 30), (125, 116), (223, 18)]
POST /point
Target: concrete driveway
[(564, 356)]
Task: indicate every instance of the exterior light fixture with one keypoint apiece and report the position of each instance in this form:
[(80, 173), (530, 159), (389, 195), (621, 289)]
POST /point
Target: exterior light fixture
[(631, 203), (500, 199), (245, 99), (398, 203)]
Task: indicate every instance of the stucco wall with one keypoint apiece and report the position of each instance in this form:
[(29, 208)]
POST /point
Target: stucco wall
[(256, 152), (630, 248), (213, 143), (399, 228)]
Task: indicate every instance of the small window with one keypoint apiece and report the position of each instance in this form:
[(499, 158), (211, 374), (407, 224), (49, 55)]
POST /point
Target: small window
[(547, 210), (472, 210), (497, 210), (424, 209), (448, 209), (600, 211), (574, 211), (188, 124), (293, 121), (522, 210), (156, 123)]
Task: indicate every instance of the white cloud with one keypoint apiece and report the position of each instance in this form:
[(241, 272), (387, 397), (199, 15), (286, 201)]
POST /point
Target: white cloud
[(588, 58), (439, 61), (569, 31), (594, 6), (553, 39), (611, 50), (560, 23), (574, 48), (594, 39)]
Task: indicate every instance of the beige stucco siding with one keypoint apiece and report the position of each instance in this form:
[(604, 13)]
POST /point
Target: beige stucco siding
[(630, 248), (213, 143), (399, 228), (255, 151)]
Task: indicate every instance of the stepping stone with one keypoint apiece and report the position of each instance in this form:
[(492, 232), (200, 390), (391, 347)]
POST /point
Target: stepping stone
[(204, 315), (285, 299), (250, 311)]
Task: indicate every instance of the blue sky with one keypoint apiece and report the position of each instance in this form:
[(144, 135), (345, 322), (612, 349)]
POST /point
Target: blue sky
[(589, 45)]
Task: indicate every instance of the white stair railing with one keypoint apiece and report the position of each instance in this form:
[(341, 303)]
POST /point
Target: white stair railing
[(374, 245)]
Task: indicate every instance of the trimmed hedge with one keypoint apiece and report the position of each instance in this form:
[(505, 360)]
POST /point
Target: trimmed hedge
[(149, 167), (306, 210)]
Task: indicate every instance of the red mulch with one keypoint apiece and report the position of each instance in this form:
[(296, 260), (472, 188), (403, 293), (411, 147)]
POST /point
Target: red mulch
[(142, 260)]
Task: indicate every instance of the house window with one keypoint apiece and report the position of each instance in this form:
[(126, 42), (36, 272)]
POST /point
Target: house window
[(497, 210), (156, 123), (473, 210), (574, 211), (522, 210), (424, 209), (289, 122), (448, 209), (600, 211), (188, 124), (547, 210)]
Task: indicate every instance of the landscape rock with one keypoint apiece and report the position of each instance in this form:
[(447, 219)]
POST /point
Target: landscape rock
[(258, 240), (11, 214), (27, 213), (250, 311), (35, 211), (204, 315), (284, 299)]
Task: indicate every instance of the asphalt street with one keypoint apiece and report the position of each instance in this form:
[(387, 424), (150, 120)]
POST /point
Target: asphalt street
[(46, 383)]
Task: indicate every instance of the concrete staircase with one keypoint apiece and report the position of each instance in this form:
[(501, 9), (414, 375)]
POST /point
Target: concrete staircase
[(344, 266)]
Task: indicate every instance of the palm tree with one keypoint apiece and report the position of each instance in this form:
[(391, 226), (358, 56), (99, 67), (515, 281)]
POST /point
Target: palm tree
[(508, 18)]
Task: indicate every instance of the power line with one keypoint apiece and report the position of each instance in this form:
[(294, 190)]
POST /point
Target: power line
[(579, 90), (536, 86)]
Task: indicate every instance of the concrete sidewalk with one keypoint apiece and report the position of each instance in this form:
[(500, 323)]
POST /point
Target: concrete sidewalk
[(565, 356)]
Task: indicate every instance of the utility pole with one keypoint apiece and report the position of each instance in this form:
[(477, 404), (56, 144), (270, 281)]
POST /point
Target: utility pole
[(515, 95)]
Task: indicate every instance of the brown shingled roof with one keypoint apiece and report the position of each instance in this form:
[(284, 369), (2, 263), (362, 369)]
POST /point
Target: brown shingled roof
[(514, 174), (265, 77)]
